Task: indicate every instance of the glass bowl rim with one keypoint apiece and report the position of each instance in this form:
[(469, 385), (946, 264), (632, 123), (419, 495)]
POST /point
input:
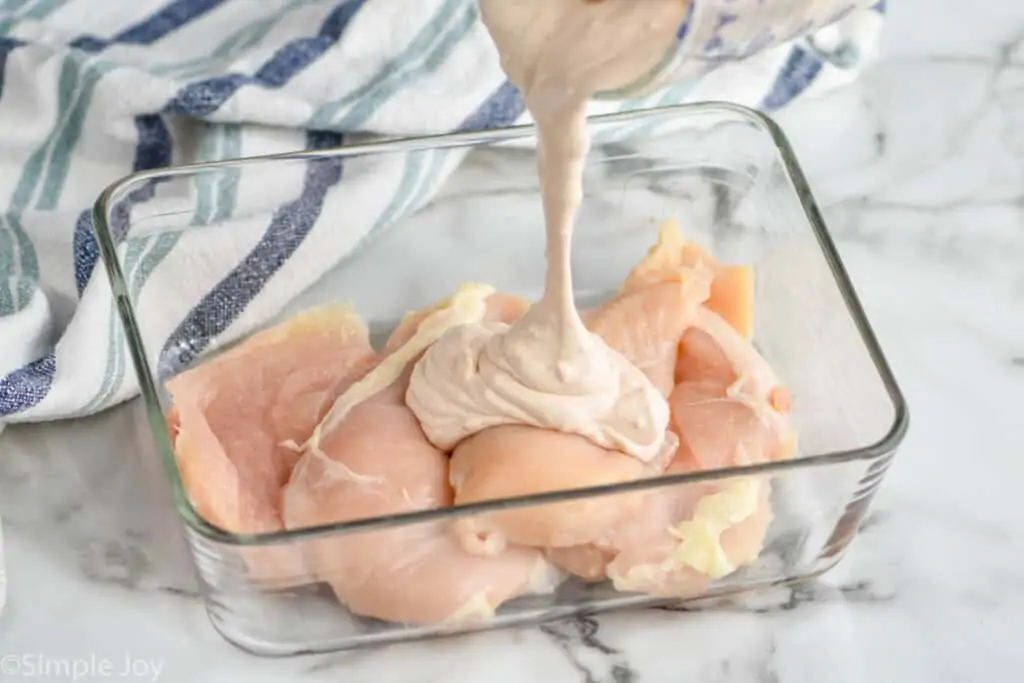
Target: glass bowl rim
[(879, 451)]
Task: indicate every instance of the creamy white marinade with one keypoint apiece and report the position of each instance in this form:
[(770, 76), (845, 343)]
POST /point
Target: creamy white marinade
[(547, 369)]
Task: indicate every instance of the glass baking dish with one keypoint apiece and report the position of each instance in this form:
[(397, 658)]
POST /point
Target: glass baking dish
[(724, 172)]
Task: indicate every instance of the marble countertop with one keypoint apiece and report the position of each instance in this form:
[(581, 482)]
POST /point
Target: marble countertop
[(919, 169)]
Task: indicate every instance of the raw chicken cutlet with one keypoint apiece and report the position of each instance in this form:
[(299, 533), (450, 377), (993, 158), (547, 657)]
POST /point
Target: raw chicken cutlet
[(644, 324), (310, 407), (371, 458), (728, 409), (514, 460), (232, 413)]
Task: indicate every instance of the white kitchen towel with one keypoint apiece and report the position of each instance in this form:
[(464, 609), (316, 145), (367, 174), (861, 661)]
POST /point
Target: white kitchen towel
[(91, 91)]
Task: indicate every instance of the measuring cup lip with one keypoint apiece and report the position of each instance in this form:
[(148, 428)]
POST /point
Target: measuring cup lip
[(684, 28), (650, 80), (703, 42)]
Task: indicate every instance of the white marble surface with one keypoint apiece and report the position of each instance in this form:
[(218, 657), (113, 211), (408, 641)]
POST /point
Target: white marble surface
[(920, 170)]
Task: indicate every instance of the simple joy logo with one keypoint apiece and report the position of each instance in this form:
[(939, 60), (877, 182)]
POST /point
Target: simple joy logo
[(37, 666)]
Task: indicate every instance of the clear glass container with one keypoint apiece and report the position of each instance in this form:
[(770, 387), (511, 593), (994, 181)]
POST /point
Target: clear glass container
[(726, 173)]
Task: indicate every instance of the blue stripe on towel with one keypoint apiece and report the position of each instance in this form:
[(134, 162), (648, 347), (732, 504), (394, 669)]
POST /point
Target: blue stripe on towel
[(797, 74), (229, 298), (7, 45), (27, 386), (206, 96), (323, 139), (85, 250), (153, 150), (501, 109), (154, 27)]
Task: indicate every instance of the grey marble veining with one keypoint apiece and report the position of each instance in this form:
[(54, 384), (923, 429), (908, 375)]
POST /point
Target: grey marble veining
[(919, 169)]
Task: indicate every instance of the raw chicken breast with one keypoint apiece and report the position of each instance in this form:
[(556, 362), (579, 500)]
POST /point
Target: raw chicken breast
[(730, 291), (728, 404), (501, 307), (680, 539), (232, 413), (516, 460), (374, 461), (646, 320), (689, 539), (588, 562), (378, 462), (702, 360), (670, 255), (645, 325), (728, 409), (648, 523), (732, 297)]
